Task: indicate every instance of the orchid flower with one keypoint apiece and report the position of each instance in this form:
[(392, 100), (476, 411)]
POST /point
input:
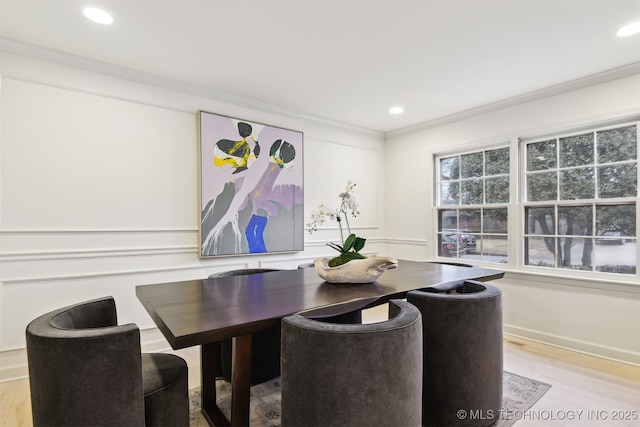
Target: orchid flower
[(348, 207)]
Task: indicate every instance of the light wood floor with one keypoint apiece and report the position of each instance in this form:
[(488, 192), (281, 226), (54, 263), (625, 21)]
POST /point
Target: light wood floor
[(586, 391)]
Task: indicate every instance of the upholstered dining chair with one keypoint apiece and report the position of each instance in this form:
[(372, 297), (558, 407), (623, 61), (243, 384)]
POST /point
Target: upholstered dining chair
[(462, 338), (265, 345), (352, 374), (86, 370)]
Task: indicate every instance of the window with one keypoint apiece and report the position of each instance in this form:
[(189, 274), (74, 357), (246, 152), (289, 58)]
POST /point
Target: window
[(473, 194), (580, 201), (577, 207)]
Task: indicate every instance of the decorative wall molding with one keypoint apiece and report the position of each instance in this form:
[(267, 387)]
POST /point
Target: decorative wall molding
[(94, 253), (323, 242), (9, 231), (606, 76), (36, 52), (79, 254), (83, 276), (410, 242), (344, 144), (132, 251)]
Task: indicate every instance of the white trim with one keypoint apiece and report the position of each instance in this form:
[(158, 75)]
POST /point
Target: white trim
[(594, 79), (323, 242), (95, 230), (566, 343), (43, 54), (336, 227), (594, 124), (95, 253), (404, 241), (13, 364), (516, 232), (67, 277), (77, 254), (605, 282)]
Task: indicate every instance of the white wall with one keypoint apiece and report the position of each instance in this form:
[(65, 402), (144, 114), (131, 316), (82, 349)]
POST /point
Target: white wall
[(582, 313), (98, 191), (85, 156)]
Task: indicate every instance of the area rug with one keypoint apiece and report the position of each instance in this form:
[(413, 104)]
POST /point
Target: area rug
[(518, 395)]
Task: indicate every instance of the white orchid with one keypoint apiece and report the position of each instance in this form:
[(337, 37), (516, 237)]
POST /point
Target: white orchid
[(349, 202), (348, 206)]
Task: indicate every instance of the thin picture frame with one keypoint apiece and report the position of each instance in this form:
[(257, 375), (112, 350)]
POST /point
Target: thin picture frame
[(251, 187)]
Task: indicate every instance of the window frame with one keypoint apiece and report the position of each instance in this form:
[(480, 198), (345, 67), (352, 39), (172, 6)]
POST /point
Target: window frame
[(517, 205), (505, 144), (524, 204)]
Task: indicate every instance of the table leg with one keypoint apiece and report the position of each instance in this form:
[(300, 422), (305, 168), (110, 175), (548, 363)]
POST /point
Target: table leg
[(241, 380), (208, 362)]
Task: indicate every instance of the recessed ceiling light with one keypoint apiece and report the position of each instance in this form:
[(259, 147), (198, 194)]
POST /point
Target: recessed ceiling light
[(629, 30), (98, 15), (396, 110)]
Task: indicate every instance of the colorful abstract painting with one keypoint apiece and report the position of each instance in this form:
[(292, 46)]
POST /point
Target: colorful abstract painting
[(251, 187)]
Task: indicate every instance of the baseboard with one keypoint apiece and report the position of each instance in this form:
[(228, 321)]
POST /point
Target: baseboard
[(589, 348), (13, 364), (152, 341)]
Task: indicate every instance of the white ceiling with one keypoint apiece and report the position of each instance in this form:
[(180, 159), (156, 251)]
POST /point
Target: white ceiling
[(344, 61)]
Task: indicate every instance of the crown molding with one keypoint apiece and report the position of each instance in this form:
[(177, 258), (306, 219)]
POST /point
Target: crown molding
[(591, 80), (64, 59), (147, 79)]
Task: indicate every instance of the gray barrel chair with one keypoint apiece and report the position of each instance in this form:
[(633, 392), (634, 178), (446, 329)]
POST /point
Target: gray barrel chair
[(463, 368), (85, 370), (352, 374)]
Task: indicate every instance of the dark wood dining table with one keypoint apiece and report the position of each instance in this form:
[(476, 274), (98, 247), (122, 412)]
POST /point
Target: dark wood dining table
[(203, 312)]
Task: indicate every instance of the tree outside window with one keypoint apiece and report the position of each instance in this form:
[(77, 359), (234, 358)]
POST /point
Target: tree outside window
[(580, 208)]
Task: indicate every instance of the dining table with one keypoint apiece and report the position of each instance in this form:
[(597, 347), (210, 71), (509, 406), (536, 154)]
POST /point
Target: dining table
[(203, 312)]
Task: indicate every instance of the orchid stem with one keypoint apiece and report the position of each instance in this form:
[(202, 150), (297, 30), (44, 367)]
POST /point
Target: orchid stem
[(346, 219)]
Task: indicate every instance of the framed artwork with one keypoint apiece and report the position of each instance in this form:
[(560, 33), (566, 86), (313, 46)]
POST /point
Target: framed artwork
[(251, 187)]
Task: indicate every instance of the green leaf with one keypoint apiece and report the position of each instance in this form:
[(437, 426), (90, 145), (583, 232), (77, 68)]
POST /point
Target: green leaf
[(359, 244), (336, 247), (348, 244)]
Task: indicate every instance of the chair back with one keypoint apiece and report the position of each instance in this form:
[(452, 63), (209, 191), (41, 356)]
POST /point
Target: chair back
[(307, 265), (347, 374), (83, 368), (463, 360)]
